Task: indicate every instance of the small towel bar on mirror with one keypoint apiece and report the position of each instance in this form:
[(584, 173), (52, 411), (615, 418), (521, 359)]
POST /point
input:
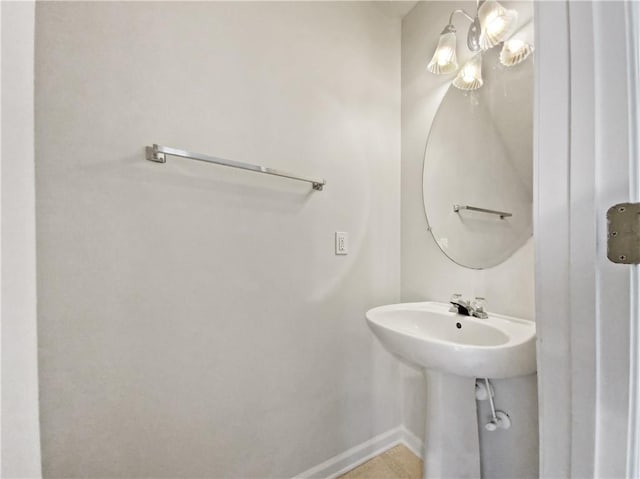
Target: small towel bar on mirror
[(501, 214), (158, 154)]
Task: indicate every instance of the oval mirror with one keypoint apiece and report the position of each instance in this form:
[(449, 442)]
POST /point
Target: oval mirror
[(479, 154)]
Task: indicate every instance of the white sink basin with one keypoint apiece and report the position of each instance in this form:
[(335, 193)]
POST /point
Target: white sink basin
[(430, 336)]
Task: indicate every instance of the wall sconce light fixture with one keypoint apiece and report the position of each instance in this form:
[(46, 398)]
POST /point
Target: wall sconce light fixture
[(493, 24)]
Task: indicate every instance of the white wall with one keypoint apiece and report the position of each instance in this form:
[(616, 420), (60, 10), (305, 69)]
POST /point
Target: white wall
[(427, 274), (20, 428), (194, 320)]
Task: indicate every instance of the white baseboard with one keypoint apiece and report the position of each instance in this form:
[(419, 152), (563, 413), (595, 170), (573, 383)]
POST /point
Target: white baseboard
[(413, 442), (351, 458)]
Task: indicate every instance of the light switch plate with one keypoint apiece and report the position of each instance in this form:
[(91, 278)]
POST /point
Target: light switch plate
[(342, 242)]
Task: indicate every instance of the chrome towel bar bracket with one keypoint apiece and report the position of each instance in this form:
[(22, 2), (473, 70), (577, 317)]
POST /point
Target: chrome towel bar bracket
[(501, 214), (158, 153)]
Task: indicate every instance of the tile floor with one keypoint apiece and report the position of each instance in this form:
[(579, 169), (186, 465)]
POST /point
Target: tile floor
[(396, 463)]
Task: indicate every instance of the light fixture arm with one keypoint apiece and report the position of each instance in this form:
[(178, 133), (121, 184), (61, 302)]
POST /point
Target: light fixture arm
[(459, 10), (473, 36)]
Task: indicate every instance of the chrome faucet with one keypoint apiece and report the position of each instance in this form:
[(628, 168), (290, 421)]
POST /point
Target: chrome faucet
[(459, 305), (463, 307)]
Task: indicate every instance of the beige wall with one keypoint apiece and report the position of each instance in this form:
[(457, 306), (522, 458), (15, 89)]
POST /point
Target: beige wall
[(427, 274), (194, 320), (20, 429)]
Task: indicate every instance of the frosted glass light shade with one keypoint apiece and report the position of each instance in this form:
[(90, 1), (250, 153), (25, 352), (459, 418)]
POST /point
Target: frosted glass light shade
[(496, 23), (444, 59), (470, 76), (514, 51)]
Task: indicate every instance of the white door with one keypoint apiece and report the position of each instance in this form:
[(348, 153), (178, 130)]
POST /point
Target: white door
[(633, 42), (586, 306)]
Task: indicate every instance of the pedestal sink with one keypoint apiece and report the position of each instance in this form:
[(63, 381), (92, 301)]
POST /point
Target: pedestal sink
[(452, 351)]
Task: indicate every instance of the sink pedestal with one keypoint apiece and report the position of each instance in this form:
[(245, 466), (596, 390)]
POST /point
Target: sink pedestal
[(452, 447), (453, 350)]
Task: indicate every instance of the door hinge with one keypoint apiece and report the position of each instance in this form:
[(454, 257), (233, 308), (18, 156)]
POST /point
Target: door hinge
[(623, 233)]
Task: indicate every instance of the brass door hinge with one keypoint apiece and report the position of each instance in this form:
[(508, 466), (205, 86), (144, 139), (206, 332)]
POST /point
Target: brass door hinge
[(623, 233)]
